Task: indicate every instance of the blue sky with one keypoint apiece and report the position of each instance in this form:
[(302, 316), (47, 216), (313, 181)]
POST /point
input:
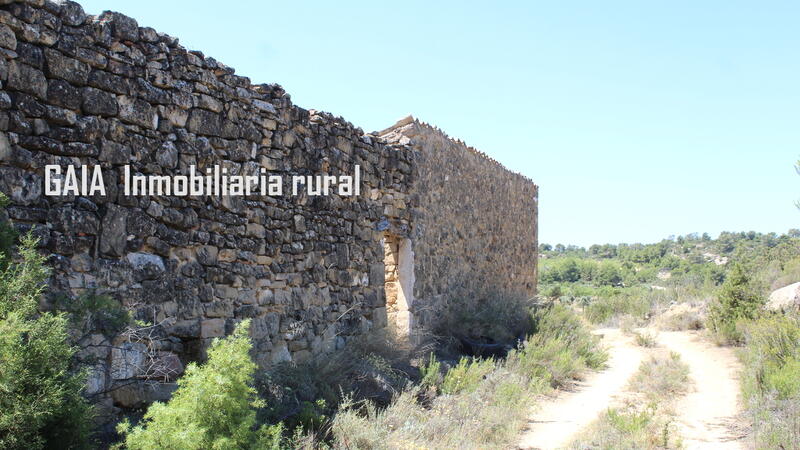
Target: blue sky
[(638, 120)]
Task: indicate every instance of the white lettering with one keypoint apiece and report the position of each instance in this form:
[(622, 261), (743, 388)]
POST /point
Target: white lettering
[(52, 180)]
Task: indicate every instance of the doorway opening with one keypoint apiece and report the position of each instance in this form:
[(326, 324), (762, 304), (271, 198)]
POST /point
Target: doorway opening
[(398, 260)]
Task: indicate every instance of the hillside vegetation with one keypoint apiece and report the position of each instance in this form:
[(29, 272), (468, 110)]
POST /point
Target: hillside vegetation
[(696, 282)]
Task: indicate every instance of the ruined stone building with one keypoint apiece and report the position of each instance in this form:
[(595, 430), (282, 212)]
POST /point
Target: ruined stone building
[(436, 221)]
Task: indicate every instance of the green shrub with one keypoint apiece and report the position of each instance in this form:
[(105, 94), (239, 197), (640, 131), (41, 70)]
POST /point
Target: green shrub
[(466, 375), (771, 379), (607, 309), (489, 417), (738, 300), (370, 367), (7, 234), (94, 313), (628, 428), (548, 359), (629, 422), (635, 427), (552, 291), (560, 348), (40, 396), (213, 408), (430, 373), (784, 379), (573, 270), (311, 415), (559, 322)]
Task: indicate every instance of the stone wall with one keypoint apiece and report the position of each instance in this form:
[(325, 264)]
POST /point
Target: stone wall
[(474, 233), (309, 270), (80, 90)]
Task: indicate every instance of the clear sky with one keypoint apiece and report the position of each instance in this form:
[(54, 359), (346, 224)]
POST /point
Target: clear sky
[(638, 120)]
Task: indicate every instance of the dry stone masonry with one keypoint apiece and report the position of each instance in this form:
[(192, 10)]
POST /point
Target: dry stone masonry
[(435, 220), (474, 223)]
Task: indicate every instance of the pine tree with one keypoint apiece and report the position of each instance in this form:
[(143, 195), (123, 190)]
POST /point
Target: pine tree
[(40, 397), (213, 408), (738, 299)]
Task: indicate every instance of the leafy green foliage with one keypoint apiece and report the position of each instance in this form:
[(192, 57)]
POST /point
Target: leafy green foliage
[(213, 408), (610, 304), (311, 415), (466, 375), (7, 234), (430, 373), (772, 353), (40, 398), (560, 348), (559, 322), (629, 422), (573, 270), (689, 257), (738, 300), (771, 379), (783, 379), (95, 313)]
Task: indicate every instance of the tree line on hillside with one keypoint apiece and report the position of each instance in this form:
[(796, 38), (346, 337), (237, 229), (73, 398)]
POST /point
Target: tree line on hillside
[(699, 256)]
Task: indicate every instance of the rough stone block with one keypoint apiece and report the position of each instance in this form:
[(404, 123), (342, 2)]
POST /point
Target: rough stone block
[(22, 77), (66, 68), (112, 234), (128, 360), (7, 38), (122, 26), (97, 102), (137, 112), (212, 328)]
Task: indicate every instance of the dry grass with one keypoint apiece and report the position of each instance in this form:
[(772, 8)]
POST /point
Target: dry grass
[(488, 417), (484, 403), (374, 367), (627, 323), (682, 317), (491, 319), (646, 338), (662, 377)]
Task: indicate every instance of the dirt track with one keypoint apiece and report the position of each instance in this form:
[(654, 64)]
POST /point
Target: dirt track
[(557, 419), (707, 415)]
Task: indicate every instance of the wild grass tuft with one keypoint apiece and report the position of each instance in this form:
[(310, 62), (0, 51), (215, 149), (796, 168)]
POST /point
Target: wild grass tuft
[(646, 339), (662, 377), (629, 428), (634, 426)]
